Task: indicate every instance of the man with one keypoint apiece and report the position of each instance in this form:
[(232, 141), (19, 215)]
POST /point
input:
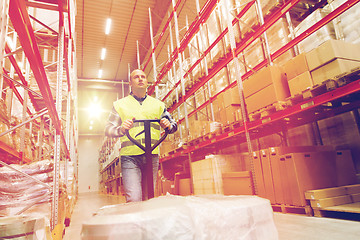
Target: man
[(138, 105)]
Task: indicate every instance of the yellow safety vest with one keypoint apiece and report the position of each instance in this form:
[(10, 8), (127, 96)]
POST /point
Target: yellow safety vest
[(129, 108)]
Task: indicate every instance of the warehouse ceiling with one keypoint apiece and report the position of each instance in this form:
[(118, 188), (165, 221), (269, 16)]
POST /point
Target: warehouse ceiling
[(129, 24)]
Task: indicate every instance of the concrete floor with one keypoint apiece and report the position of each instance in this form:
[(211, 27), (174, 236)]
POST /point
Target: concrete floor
[(289, 226)]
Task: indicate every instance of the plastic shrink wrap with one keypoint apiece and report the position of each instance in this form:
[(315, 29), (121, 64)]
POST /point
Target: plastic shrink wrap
[(191, 217), (18, 191)]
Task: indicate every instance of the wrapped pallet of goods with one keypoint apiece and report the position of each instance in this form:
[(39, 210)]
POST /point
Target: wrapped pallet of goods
[(333, 58), (323, 34), (233, 11), (213, 33), (194, 52), (348, 23), (277, 36), (254, 54), (21, 191)]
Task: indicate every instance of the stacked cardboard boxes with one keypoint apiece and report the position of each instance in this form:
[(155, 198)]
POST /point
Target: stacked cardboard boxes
[(283, 174), (207, 173), (265, 87), (328, 197), (331, 59)]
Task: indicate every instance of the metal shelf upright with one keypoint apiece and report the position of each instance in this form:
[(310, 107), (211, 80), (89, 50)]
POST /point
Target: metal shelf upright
[(45, 106)]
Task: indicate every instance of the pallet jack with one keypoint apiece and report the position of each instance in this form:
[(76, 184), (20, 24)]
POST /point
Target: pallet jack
[(147, 181)]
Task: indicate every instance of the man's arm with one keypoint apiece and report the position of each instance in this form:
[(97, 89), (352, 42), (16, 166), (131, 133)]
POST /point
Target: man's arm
[(112, 128), (173, 124)]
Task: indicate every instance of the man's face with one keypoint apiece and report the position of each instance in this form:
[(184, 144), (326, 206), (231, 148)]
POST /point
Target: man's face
[(138, 80)]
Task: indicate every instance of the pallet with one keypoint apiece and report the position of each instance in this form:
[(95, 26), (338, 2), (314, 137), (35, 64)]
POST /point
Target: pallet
[(268, 110), (347, 211), (347, 77), (305, 210)]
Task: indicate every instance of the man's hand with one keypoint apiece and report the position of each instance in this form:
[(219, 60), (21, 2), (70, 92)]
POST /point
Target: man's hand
[(126, 125), (165, 123)]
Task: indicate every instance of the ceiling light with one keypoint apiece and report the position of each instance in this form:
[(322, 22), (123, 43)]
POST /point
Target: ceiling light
[(103, 53), (91, 122), (108, 25), (91, 127), (94, 111), (100, 73)]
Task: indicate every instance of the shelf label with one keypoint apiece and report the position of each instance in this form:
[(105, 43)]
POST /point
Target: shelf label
[(306, 105)]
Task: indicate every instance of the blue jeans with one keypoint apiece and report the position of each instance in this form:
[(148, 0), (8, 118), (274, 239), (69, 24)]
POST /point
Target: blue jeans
[(133, 170)]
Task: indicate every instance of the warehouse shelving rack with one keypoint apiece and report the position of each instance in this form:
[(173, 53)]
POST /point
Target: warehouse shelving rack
[(45, 105), (307, 111)]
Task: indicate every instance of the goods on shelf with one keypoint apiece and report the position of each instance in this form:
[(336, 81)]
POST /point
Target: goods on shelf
[(24, 227), (323, 34), (270, 82), (277, 36), (348, 22), (328, 197), (207, 173), (20, 191)]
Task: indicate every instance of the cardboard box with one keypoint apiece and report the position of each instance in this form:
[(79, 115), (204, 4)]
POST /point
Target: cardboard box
[(355, 197), (268, 177), (307, 171), (184, 187), (353, 189), (231, 96), (300, 83), (271, 75), (330, 50), (259, 175), (273, 94), (296, 66), (333, 69), (345, 169), (237, 183), (278, 168), (329, 202), (231, 113), (207, 173), (325, 193)]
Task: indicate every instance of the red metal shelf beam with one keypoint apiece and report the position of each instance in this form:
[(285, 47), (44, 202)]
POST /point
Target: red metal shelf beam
[(310, 104), (241, 13), (21, 22), (331, 16), (162, 33), (20, 75), (194, 28), (12, 152)]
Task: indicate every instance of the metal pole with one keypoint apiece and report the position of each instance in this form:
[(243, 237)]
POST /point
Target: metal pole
[(202, 49), (56, 187), (241, 93), (180, 66), (40, 138), (4, 8), (138, 53), (264, 35), (175, 78), (153, 55)]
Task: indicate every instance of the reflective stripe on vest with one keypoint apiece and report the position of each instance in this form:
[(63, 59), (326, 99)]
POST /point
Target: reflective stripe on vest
[(129, 108)]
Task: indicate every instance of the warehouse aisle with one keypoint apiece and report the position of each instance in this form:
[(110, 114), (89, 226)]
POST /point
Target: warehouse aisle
[(290, 226), (86, 205)]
